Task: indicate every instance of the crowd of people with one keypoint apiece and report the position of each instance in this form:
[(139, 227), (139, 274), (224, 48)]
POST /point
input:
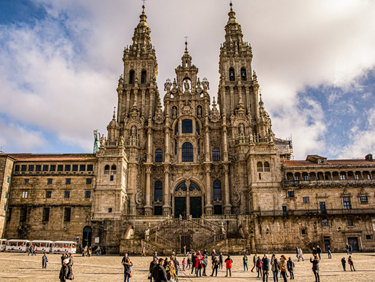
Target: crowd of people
[(66, 271)]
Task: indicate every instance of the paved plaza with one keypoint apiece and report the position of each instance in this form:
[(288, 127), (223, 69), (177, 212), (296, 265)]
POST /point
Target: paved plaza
[(21, 267)]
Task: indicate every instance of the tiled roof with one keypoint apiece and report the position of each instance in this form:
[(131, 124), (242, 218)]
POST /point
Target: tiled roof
[(51, 157), (352, 162)]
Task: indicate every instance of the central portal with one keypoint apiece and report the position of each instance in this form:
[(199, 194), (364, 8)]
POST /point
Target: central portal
[(179, 207), (196, 207), (188, 201)]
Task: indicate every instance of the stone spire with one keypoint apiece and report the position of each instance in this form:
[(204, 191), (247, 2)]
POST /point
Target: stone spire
[(141, 37), (233, 31), (186, 58)]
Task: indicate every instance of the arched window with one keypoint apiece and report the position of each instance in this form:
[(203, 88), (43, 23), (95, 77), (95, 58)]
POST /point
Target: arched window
[(187, 152), (158, 191), (175, 146), (243, 74), (113, 169), (176, 129), (267, 167), (187, 126), (199, 147), (216, 154), (143, 76), (260, 167), (106, 169), (217, 190), (197, 128), (131, 77), (158, 156), (231, 74)]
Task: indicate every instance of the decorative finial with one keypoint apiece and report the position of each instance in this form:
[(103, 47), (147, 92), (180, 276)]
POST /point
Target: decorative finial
[(186, 43), (143, 6), (231, 6)]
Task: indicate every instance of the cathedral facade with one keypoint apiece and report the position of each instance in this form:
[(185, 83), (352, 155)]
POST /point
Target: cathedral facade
[(191, 171)]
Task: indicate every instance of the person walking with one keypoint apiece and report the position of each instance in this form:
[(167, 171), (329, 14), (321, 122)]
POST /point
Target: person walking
[(31, 250), (159, 273), (64, 271), (350, 262), (70, 266), (283, 265), (215, 266), (153, 264), (290, 266), (255, 258), (350, 249), (315, 267), (347, 249), (297, 253), (228, 265), (171, 271), (177, 266), (275, 268), (221, 259), (259, 267), (301, 254), (343, 263), (319, 251), (204, 264), (44, 260), (183, 264), (143, 252), (198, 264), (184, 251), (193, 256), (265, 267), (188, 261), (245, 263), (329, 252), (127, 270)]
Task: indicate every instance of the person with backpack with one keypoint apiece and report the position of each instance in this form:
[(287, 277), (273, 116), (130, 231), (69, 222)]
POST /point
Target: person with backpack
[(127, 270), (228, 264), (290, 266), (215, 266), (350, 262), (44, 261), (259, 267)]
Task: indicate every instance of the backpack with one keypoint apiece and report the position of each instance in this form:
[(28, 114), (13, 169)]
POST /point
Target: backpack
[(260, 264)]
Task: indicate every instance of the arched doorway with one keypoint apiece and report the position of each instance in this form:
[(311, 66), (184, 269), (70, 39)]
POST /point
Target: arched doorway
[(86, 237), (188, 201)]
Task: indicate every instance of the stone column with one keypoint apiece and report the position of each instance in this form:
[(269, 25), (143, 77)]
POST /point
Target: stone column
[(232, 106), (209, 192), (227, 206), (187, 202), (256, 101), (166, 206), (148, 207), (127, 105)]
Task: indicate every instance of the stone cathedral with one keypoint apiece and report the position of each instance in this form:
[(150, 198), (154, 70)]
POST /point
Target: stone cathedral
[(191, 172)]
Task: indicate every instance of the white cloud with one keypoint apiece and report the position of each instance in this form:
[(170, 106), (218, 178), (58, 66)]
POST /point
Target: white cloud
[(46, 83)]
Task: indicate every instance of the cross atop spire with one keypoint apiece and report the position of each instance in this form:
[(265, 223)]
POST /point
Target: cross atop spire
[(231, 5), (186, 44)]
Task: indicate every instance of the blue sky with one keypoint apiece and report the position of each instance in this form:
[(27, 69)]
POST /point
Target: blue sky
[(60, 61)]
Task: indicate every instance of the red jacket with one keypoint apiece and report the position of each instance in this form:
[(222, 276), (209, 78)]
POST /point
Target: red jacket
[(198, 261)]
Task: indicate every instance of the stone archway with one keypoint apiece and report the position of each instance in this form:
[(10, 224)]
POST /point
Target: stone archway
[(188, 201)]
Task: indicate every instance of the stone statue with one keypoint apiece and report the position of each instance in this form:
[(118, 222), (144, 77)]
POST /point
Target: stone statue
[(122, 141), (134, 131), (174, 111), (186, 85), (242, 128), (199, 110)]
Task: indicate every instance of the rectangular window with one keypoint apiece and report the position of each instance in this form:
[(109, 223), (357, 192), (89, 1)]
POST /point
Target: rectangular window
[(67, 180), (322, 206), (31, 167), (5, 207), (342, 176), (350, 222), (49, 180), (296, 177), (306, 177), (187, 126), (24, 195), (67, 213), (23, 214), (52, 168), (90, 167), (356, 177), (17, 168), (60, 167), (8, 179), (158, 210), (45, 167), (67, 167), (285, 210), (111, 178), (9, 214), (48, 194), (66, 194), (45, 215), (109, 209), (88, 180), (364, 199), (75, 168), (347, 205), (87, 194), (38, 168), (325, 222), (23, 167), (290, 194), (82, 167), (303, 231), (306, 200), (26, 181), (368, 237), (6, 195)]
